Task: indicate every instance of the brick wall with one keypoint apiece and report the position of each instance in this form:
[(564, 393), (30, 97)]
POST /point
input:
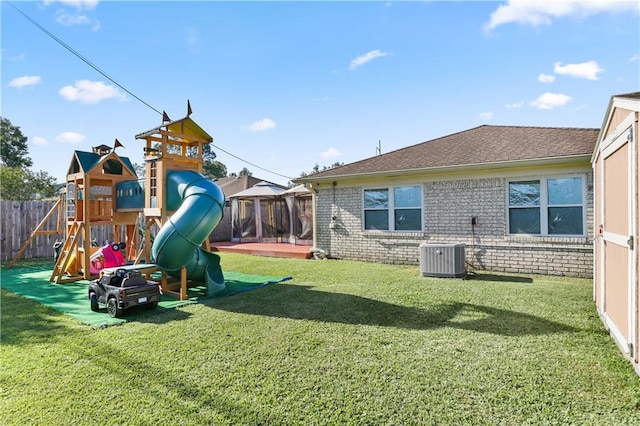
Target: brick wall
[(449, 206)]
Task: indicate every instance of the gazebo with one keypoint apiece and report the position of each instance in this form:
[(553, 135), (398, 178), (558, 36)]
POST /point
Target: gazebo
[(269, 213), (259, 214), (300, 208)]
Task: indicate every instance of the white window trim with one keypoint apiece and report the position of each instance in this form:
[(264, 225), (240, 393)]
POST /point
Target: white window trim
[(544, 206), (391, 209)]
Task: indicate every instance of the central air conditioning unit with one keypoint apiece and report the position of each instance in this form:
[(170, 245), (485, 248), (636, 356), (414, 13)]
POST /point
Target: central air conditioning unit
[(442, 260)]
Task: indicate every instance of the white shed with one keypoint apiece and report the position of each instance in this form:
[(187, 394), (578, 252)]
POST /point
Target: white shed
[(616, 218)]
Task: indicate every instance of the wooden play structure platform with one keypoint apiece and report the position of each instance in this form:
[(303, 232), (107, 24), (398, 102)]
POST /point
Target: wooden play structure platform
[(103, 189), (264, 249)]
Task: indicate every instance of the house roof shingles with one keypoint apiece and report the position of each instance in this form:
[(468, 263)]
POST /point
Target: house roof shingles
[(633, 95), (480, 145), (234, 184)]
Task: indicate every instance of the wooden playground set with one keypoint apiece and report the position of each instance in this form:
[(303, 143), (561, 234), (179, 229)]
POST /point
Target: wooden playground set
[(102, 189)]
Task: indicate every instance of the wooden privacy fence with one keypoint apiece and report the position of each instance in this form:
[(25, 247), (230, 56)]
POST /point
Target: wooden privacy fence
[(18, 219)]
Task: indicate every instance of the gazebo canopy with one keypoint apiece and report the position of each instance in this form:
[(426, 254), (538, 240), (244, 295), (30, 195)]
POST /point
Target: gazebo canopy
[(297, 190), (262, 189)]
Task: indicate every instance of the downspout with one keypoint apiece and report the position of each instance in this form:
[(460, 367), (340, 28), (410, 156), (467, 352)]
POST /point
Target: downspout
[(636, 350), (314, 222)]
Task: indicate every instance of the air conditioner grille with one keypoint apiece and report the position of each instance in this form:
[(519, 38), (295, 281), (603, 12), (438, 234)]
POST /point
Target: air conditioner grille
[(442, 260)]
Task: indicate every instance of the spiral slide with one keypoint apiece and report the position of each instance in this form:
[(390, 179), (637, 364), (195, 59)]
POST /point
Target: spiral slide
[(200, 206)]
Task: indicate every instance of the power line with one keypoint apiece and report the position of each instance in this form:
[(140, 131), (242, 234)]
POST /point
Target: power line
[(103, 73), (251, 164), (79, 56)]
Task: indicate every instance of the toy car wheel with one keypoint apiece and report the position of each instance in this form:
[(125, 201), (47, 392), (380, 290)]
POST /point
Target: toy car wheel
[(152, 305), (112, 308), (93, 298)]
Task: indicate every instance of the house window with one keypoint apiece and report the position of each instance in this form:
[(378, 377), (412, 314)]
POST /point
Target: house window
[(547, 206), (393, 209)]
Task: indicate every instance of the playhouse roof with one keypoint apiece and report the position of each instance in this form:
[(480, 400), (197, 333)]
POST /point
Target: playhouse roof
[(86, 161), (184, 126)]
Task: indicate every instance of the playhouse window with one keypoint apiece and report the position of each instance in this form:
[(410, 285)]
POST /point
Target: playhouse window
[(393, 209), (547, 206)]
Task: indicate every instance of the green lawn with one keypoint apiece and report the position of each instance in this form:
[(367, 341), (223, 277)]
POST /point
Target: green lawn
[(342, 343)]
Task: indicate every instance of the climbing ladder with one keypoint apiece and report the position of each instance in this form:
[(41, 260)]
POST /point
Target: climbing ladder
[(66, 253)]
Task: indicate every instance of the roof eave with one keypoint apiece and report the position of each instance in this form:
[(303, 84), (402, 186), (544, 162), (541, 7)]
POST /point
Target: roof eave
[(165, 126), (567, 159), (614, 102)]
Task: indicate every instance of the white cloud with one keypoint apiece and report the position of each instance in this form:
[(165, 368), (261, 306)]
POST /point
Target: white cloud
[(78, 4), (546, 78), (633, 58), (488, 115), (515, 105), (537, 12), (68, 20), (193, 40), (39, 140), (24, 81), (588, 70), (77, 17), (70, 138), (363, 59), (330, 153), (261, 125), (18, 57), (91, 92), (550, 100)]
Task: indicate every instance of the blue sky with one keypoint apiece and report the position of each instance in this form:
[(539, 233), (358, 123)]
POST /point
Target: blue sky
[(286, 85)]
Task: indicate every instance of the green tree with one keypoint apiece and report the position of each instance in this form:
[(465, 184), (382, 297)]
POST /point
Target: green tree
[(14, 183), (208, 155), (17, 182), (140, 170), (317, 169), (14, 151), (211, 167), (245, 172), (20, 184), (214, 169), (44, 185)]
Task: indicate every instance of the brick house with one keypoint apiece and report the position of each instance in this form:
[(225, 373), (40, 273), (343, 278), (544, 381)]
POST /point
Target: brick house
[(519, 198)]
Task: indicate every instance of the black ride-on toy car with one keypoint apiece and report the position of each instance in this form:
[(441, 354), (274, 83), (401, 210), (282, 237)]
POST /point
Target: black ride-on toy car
[(120, 289)]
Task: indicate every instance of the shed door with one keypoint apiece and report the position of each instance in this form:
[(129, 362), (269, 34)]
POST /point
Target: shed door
[(618, 205)]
